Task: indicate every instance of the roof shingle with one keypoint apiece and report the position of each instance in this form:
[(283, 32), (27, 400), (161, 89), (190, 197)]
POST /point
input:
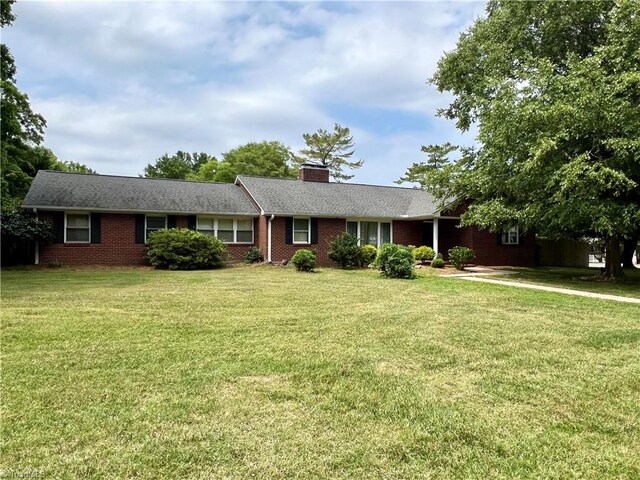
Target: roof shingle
[(64, 190), (281, 196)]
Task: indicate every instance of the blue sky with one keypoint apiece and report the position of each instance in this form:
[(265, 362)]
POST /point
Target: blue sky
[(121, 83)]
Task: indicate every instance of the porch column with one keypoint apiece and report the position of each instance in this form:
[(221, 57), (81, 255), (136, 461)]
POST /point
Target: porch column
[(435, 235)]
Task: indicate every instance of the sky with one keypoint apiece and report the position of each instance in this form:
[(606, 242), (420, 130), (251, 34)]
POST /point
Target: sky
[(122, 83)]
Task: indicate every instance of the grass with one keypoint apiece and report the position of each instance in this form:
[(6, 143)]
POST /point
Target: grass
[(586, 279), (268, 373)]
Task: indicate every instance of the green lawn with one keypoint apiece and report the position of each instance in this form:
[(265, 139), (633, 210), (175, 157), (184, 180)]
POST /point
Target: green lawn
[(267, 373), (586, 279)]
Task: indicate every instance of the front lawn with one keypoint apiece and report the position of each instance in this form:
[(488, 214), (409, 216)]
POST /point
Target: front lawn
[(586, 279), (262, 372)]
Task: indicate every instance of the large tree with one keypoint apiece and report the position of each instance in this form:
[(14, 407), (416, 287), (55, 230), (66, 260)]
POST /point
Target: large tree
[(554, 90), (331, 149), (179, 166), (264, 159), (21, 129)]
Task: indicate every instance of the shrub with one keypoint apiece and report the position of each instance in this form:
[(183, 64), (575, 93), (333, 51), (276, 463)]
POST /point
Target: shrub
[(55, 264), (395, 261), (368, 254), (424, 253), (437, 263), (184, 249), (460, 256), (254, 255), (304, 260), (344, 250)]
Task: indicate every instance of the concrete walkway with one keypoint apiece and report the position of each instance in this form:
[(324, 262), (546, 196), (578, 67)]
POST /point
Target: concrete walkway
[(477, 278)]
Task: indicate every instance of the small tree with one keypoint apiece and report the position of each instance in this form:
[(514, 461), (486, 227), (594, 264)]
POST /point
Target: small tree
[(461, 256), (185, 249), (344, 250), (331, 149)]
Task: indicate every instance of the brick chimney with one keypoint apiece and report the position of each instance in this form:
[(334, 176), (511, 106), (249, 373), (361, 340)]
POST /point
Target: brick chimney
[(312, 172)]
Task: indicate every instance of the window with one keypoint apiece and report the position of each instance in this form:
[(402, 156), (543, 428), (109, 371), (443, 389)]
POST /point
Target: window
[(511, 236), (244, 231), (301, 230), (225, 230), (229, 230), (154, 223), (370, 233), (77, 228)]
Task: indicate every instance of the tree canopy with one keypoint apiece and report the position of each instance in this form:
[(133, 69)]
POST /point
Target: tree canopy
[(554, 90), (178, 166), (331, 149)]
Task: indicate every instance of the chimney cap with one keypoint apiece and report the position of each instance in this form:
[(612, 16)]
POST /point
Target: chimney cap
[(313, 165)]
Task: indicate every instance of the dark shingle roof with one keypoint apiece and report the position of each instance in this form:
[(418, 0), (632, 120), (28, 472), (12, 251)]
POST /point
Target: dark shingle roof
[(294, 197), (51, 189)]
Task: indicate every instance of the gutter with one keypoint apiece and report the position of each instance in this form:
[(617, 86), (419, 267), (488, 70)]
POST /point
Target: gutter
[(269, 238)]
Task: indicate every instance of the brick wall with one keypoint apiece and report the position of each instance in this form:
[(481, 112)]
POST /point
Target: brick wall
[(117, 244), (485, 245), (328, 229), (407, 232)]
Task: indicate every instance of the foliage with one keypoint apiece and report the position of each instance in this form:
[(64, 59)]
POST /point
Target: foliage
[(424, 253), (331, 149), (461, 256), (19, 225), (184, 249), (179, 166), (368, 254), (73, 167), (437, 263), (254, 255), (344, 250), (553, 90), (395, 261), (304, 260), (21, 129)]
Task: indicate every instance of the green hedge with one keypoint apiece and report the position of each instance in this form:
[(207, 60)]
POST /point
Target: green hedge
[(184, 249)]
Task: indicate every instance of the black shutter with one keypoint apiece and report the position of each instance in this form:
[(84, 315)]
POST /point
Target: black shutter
[(191, 222), (499, 237), (289, 230), (171, 221), (58, 227), (314, 231), (140, 228), (95, 228)]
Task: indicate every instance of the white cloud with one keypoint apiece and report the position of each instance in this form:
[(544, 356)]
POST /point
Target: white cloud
[(122, 83)]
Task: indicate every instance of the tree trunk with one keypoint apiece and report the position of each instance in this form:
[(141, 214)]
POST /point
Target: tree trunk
[(628, 249), (613, 260)]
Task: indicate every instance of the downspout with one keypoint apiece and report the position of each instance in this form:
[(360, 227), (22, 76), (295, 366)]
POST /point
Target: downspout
[(269, 238), (36, 259)]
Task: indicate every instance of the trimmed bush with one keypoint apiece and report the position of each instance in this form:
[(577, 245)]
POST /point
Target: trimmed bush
[(395, 261), (254, 255), (184, 249), (437, 263), (368, 255), (345, 251), (424, 253), (304, 260), (461, 256)]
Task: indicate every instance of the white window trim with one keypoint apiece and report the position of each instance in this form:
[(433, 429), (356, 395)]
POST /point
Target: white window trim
[(379, 221), (166, 223), (293, 230), (508, 236), (88, 214), (235, 228)]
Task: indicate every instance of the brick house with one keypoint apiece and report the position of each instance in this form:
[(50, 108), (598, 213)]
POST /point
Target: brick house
[(105, 220)]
